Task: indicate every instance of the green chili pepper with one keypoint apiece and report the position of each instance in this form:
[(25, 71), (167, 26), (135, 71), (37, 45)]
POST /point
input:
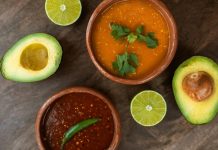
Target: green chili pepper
[(77, 128)]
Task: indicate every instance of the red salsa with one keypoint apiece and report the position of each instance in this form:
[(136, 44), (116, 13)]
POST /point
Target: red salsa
[(70, 110)]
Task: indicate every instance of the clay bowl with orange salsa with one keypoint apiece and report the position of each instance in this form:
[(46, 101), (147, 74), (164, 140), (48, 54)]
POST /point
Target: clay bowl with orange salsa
[(131, 41), (68, 108)]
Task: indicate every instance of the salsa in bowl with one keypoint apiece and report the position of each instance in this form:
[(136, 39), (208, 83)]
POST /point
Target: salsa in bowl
[(131, 41), (77, 119)]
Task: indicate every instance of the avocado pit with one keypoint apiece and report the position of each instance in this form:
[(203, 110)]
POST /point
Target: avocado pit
[(198, 85), (34, 57)]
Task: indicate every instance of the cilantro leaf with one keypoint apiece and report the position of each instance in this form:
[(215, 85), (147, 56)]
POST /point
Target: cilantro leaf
[(133, 59), (149, 39), (141, 38), (119, 31), (127, 68), (131, 38), (122, 59), (140, 29), (115, 65), (125, 63), (119, 63)]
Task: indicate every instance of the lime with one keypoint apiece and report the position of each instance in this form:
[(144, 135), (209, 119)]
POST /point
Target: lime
[(63, 12), (148, 108)]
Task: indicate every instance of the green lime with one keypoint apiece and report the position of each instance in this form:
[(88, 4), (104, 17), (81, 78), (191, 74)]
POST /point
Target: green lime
[(148, 108), (63, 12)]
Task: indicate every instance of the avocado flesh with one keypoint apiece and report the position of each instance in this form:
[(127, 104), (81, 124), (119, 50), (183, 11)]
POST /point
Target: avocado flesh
[(194, 110), (33, 58)]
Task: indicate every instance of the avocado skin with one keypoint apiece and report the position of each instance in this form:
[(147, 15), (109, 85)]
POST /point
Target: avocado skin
[(47, 74), (176, 89)]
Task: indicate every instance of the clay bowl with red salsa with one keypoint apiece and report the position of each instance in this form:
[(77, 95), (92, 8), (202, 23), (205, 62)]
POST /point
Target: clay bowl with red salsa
[(104, 47), (71, 106)]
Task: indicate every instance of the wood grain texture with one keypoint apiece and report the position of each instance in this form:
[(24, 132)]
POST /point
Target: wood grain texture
[(198, 33)]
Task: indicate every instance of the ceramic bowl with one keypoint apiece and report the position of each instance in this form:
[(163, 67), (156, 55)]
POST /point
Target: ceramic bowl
[(156, 71), (117, 133)]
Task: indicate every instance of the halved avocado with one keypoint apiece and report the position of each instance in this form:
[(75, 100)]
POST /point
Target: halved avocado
[(33, 58), (195, 87)]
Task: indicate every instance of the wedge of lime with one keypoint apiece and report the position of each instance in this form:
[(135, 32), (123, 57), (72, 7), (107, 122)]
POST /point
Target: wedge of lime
[(148, 108), (63, 12)]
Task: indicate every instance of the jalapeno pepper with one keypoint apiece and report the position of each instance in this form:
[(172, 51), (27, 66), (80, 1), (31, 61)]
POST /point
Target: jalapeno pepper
[(77, 128)]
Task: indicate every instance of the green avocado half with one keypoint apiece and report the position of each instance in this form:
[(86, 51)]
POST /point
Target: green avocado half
[(33, 58), (195, 87)]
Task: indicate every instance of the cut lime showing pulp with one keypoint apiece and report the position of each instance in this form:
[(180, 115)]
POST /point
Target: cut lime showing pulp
[(148, 108), (63, 12)]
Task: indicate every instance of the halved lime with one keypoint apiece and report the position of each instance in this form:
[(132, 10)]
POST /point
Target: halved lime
[(148, 108), (63, 12)]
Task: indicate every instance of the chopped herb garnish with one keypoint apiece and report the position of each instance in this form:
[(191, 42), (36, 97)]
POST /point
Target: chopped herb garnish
[(126, 63), (119, 31)]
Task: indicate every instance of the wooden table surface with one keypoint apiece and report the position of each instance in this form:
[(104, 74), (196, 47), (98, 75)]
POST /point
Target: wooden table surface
[(197, 22)]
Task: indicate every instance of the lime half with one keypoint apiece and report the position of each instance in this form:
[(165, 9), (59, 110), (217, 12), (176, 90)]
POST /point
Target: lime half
[(63, 12), (148, 108)]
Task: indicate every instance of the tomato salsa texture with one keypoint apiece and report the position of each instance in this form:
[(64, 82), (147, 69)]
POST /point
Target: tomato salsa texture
[(130, 13), (68, 111)]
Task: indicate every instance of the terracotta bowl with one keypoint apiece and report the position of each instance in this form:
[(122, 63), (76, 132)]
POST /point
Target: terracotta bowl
[(117, 133), (156, 71)]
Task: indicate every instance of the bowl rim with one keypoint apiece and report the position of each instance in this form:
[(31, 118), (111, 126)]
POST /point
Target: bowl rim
[(173, 41), (117, 126)]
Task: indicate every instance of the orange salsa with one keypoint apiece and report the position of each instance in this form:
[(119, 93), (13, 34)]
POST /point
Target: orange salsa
[(130, 13)]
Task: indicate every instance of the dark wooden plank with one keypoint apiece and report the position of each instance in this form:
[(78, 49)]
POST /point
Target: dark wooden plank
[(198, 33)]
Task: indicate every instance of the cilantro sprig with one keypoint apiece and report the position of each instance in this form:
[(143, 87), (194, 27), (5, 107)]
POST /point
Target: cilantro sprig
[(125, 63), (128, 62), (121, 32)]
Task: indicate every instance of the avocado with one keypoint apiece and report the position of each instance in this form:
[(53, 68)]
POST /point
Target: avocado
[(33, 58), (195, 87)]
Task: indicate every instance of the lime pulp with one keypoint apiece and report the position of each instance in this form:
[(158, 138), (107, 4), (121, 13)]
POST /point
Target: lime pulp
[(148, 108), (63, 12)]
